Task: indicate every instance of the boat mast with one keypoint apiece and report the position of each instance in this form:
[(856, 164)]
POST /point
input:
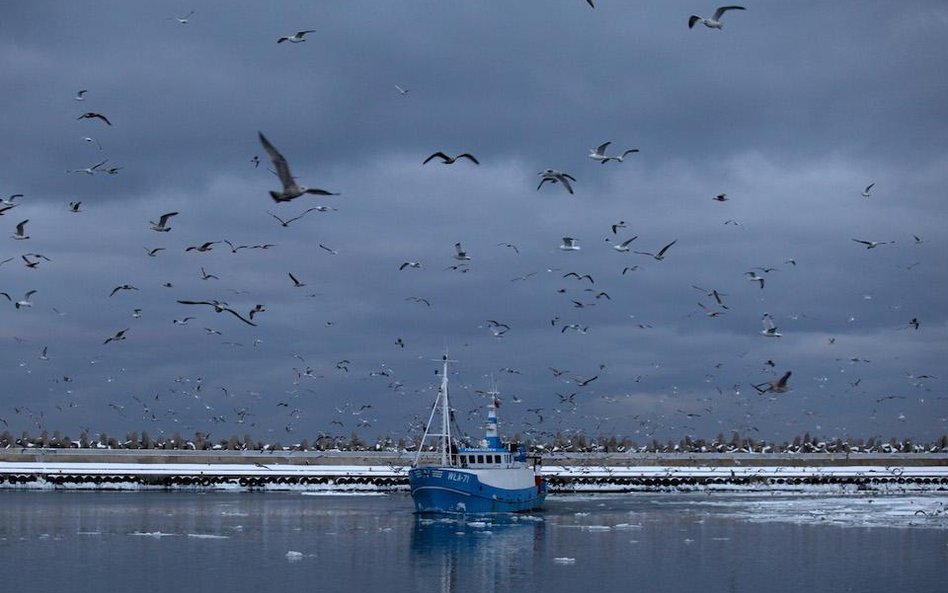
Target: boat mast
[(442, 403)]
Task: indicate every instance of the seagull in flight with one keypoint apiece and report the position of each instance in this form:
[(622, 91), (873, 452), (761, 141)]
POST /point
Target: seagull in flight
[(80, 95), (401, 91), (461, 254), (448, 160), (554, 176), (296, 283), (871, 244), (624, 246), (118, 336), (713, 293), (94, 115), (122, 287), (219, 307), (770, 330), (569, 244), (775, 386), (298, 37), (287, 222), (184, 19), (161, 225), (715, 21), (865, 192), (753, 277), (24, 302), (291, 190), (20, 231), (661, 254), (89, 170), (206, 246), (599, 154)]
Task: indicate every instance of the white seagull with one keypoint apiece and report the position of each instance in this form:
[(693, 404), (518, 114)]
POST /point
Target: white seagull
[(295, 38), (160, 226), (753, 277), (554, 176), (770, 330), (599, 153), (80, 95), (291, 190), (865, 192), (402, 91), (569, 244), (871, 244), (25, 302), (89, 170), (715, 21), (183, 19), (461, 254), (624, 246)]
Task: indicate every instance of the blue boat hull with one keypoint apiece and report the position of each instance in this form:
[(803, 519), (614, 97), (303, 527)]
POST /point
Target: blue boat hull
[(443, 490)]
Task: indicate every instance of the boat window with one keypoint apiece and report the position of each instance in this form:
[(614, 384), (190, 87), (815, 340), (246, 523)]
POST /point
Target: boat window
[(480, 459), (496, 458)]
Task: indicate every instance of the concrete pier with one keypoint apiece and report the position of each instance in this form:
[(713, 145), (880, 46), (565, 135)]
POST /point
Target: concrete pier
[(386, 471)]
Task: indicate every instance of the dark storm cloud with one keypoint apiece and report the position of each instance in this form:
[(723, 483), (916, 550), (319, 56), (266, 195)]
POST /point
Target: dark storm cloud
[(791, 110)]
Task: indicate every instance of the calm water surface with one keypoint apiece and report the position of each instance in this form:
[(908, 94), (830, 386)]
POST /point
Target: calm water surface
[(253, 542)]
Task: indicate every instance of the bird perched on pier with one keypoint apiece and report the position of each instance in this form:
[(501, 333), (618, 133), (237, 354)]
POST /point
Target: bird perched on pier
[(715, 21), (291, 190)]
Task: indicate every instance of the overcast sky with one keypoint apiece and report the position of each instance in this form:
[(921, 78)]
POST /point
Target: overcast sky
[(792, 110)]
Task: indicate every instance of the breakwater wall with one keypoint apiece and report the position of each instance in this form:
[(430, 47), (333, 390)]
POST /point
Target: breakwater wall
[(386, 471)]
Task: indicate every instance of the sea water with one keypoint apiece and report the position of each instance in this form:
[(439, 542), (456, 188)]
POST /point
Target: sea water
[(289, 542)]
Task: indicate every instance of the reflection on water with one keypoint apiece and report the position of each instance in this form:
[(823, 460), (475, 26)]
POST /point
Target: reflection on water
[(495, 551)]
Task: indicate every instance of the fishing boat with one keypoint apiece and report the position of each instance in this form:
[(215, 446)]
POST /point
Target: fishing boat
[(490, 478)]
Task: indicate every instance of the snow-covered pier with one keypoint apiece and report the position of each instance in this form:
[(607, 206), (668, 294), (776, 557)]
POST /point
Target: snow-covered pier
[(386, 471)]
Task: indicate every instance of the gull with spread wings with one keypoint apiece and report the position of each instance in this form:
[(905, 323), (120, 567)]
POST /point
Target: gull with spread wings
[(291, 190)]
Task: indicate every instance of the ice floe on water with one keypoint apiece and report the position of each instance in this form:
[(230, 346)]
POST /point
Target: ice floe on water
[(154, 534), (208, 536), (294, 556), (844, 511), (564, 560)]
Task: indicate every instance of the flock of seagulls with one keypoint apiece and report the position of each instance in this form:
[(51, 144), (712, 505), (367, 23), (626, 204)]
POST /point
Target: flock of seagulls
[(583, 292)]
